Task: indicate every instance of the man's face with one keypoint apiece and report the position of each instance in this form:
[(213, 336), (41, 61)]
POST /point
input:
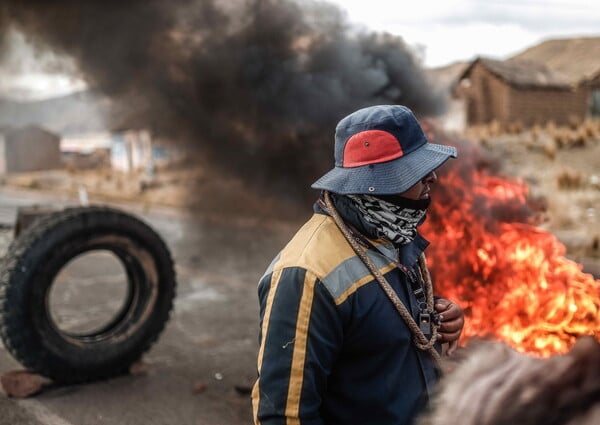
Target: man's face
[(421, 189)]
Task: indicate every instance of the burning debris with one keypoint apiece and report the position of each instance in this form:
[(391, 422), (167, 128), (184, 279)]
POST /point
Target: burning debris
[(255, 86), (496, 385), (510, 276)]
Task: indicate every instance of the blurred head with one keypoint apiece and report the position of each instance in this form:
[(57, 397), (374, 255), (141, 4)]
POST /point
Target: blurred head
[(495, 385)]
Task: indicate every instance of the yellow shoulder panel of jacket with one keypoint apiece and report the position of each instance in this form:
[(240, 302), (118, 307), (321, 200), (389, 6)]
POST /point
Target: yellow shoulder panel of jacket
[(321, 248)]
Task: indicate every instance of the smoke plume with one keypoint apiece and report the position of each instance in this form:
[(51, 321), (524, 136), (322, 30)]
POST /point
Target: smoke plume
[(257, 85)]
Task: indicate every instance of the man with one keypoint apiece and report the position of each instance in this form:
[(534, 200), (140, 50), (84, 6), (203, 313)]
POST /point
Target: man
[(348, 322)]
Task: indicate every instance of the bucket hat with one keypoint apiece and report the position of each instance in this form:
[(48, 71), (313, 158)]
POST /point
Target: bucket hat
[(381, 150)]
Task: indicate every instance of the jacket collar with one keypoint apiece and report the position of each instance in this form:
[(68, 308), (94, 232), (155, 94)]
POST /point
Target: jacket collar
[(406, 254)]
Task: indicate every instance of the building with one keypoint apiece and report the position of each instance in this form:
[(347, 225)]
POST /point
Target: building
[(136, 150), (557, 80), (95, 132), (131, 150), (29, 148), (519, 91)]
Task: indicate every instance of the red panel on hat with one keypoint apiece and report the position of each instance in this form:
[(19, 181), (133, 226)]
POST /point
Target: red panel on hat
[(371, 147)]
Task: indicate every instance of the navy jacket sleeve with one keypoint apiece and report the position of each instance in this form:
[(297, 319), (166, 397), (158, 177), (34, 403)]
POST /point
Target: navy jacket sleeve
[(300, 338)]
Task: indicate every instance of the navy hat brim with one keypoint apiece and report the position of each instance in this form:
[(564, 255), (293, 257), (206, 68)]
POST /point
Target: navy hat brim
[(387, 178)]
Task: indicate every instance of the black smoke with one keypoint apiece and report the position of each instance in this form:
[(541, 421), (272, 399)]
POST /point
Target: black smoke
[(257, 85)]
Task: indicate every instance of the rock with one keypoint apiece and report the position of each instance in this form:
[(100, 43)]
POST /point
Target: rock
[(21, 383), (199, 387), (138, 369)]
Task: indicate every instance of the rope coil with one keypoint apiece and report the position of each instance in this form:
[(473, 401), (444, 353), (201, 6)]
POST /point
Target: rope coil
[(419, 339)]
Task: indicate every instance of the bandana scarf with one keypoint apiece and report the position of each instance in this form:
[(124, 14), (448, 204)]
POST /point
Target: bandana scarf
[(393, 222)]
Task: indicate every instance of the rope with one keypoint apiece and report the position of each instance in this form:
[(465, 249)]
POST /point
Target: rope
[(419, 339)]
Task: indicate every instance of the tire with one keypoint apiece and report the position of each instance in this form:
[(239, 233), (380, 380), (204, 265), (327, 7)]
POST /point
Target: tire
[(30, 267)]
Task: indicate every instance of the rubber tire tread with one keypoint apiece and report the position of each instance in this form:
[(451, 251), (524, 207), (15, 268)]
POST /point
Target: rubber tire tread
[(13, 331)]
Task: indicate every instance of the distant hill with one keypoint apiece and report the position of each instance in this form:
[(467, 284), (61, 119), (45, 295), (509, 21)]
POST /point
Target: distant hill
[(444, 76), (575, 58), (81, 112)]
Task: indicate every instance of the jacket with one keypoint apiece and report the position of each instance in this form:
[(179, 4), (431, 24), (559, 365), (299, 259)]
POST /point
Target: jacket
[(333, 348)]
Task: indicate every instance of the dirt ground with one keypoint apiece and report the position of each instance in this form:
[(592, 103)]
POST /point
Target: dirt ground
[(201, 369), (190, 187)]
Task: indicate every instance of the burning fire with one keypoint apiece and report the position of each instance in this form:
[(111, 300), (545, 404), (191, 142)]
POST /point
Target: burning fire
[(510, 276)]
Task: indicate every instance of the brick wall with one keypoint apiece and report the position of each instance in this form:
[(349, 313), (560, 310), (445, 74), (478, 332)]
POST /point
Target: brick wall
[(487, 97), (531, 106)]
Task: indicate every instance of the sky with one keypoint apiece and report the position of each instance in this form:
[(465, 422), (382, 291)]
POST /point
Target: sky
[(26, 74), (439, 31), (446, 31)]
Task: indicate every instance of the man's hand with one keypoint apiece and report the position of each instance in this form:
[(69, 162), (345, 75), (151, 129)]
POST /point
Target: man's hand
[(452, 320)]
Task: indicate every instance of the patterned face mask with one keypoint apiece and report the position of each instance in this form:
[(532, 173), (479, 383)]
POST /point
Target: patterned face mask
[(396, 221)]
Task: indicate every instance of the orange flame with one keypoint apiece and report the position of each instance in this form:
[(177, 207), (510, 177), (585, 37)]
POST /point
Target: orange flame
[(510, 276)]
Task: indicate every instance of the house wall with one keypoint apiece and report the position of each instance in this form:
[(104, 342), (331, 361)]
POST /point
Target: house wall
[(538, 106), (131, 151), (486, 97), (31, 149)]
